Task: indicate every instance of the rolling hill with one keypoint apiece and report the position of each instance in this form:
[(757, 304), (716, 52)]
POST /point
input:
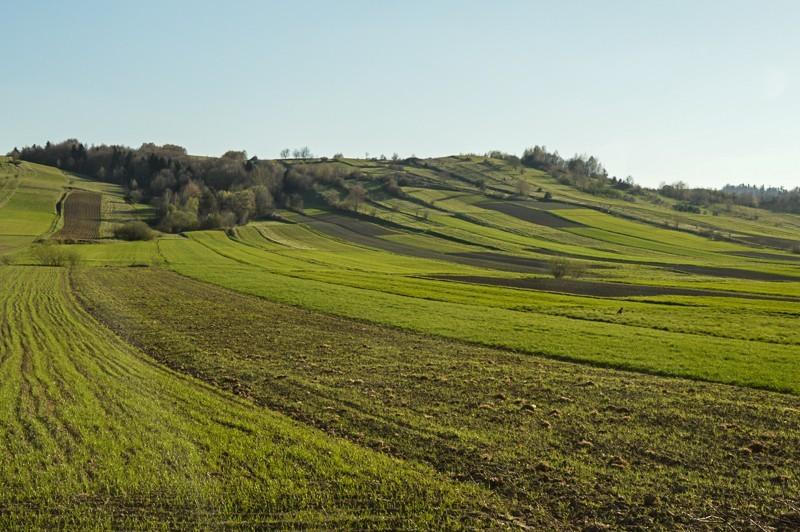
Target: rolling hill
[(459, 342)]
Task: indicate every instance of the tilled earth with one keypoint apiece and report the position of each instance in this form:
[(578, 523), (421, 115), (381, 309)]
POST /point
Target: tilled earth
[(566, 445)]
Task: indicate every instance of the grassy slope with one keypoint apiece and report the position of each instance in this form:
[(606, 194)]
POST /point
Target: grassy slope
[(740, 341), (95, 433), (588, 331), (28, 202), (581, 445)]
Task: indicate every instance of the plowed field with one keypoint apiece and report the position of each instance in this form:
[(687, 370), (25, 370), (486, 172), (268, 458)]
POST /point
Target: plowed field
[(81, 216)]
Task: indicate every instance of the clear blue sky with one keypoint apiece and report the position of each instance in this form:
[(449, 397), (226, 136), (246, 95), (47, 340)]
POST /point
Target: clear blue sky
[(700, 91)]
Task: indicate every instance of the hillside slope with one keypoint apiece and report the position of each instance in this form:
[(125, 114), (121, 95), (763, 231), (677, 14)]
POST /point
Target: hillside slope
[(409, 310)]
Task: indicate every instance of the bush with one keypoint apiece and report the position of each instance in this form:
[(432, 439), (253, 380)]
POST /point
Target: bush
[(53, 255), (560, 267), (685, 206), (135, 230)]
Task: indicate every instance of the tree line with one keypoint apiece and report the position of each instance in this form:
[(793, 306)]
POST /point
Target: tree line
[(583, 172), (189, 192)]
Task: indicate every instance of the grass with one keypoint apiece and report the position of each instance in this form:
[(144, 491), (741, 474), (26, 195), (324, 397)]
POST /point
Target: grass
[(29, 211), (339, 371), (562, 444), (717, 345), (95, 432)]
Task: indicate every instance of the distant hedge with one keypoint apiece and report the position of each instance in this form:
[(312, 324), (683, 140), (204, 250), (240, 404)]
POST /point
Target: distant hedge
[(135, 230)]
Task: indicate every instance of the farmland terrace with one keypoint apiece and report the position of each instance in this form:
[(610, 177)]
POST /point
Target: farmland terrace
[(451, 343)]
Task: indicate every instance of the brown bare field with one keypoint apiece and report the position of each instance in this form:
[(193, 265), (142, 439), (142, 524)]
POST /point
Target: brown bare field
[(546, 205), (366, 234), (566, 446), (532, 215), (499, 261), (711, 271), (731, 273), (766, 256), (599, 289), (770, 241), (81, 216)]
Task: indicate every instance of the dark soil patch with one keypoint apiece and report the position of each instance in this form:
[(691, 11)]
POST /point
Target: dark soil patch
[(534, 216), (731, 273), (355, 225), (600, 289), (765, 256), (509, 263), (547, 205), (459, 408), (711, 271), (352, 230), (770, 241), (81, 216)]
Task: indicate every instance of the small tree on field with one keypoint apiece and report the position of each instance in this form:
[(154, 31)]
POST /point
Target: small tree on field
[(54, 255), (523, 187), (560, 267), (355, 197)]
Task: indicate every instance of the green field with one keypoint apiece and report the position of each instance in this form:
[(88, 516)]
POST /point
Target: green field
[(400, 368)]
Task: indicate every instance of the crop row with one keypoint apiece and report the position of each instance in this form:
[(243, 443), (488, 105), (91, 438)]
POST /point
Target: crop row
[(94, 433), (82, 216), (555, 440), (702, 342)]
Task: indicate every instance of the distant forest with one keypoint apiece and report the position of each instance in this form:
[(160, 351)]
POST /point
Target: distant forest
[(189, 192)]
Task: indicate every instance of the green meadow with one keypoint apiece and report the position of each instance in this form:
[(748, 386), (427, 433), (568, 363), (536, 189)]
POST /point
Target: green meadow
[(414, 363)]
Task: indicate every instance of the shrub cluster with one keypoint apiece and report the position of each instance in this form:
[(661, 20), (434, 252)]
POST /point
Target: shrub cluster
[(55, 255), (135, 230)]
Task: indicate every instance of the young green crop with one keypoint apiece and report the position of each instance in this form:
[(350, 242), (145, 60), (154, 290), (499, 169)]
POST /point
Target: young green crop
[(560, 443), (762, 365), (96, 434)]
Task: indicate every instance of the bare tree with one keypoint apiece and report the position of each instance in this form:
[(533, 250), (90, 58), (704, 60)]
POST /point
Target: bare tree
[(523, 187), (355, 197)]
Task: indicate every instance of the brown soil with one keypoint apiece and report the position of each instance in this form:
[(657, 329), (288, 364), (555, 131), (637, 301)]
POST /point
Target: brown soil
[(532, 215), (546, 205), (766, 256), (459, 408), (81, 216), (366, 234), (730, 273), (773, 242), (498, 261), (355, 225), (600, 289)]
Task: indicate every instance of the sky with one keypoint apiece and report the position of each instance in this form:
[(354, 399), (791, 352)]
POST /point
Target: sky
[(701, 91)]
